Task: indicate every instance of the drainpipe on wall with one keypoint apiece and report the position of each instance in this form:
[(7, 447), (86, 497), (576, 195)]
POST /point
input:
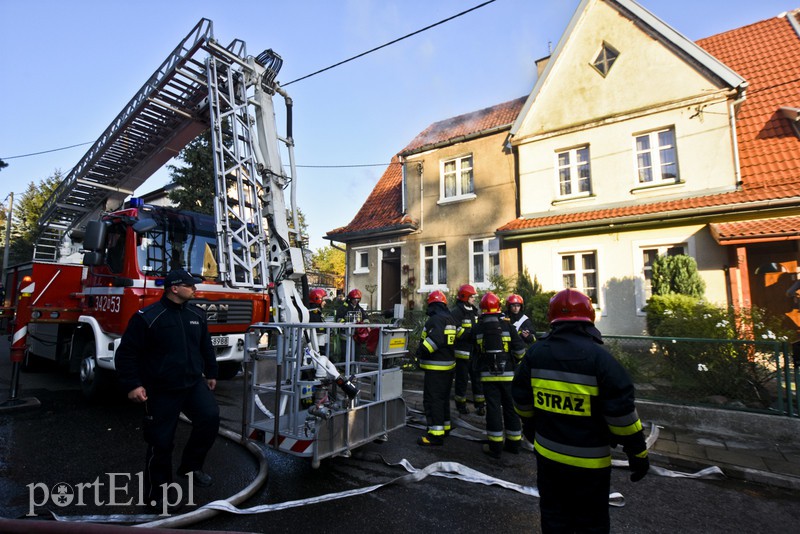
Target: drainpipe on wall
[(732, 117), (421, 197)]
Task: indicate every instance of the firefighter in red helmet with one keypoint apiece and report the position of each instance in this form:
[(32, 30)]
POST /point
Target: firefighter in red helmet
[(351, 312), (517, 316), (435, 353), (316, 301), (499, 347), (465, 313), (576, 402)]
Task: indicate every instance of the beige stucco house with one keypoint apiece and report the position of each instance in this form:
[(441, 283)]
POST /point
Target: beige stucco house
[(430, 221), (634, 142), (637, 142)]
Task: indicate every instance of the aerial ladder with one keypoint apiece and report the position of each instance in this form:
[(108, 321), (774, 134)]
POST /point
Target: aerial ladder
[(318, 408)]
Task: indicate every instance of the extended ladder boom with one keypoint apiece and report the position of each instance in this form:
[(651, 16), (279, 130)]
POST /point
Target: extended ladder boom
[(200, 85)]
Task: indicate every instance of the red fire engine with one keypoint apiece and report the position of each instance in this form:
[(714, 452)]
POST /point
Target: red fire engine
[(74, 310), (323, 403)]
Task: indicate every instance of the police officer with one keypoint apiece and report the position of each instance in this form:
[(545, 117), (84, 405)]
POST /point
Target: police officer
[(165, 360), (499, 347), (435, 353), (521, 322), (465, 314), (575, 401)]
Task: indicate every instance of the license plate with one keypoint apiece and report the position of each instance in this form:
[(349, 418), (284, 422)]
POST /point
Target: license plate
[(220, 341)]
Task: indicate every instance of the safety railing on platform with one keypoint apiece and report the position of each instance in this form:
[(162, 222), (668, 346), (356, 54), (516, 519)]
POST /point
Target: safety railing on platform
[(733, 374)]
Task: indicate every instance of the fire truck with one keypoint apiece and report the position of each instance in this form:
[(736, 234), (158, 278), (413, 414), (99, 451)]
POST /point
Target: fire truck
[(74, 309), (248, 254)]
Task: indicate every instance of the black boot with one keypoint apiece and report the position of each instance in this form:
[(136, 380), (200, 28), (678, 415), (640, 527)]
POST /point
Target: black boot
[(462, 408), (495, 451)]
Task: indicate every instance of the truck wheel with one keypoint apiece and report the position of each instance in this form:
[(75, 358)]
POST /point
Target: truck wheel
[(228, 370), (92, 376)]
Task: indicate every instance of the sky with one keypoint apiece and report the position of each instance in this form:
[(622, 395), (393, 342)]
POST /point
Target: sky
[(69, 67)]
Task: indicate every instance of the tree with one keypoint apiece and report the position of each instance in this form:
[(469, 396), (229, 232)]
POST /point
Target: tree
[(195, 181), (27, 213), (196, 185), (536, 301), (3, 164), (329, 260), (677, 275)]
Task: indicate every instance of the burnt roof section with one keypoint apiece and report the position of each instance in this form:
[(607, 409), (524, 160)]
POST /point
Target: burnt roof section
[(465, 127), (382, 212)]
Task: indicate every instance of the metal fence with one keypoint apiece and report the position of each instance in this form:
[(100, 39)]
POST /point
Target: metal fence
[(733, 374)]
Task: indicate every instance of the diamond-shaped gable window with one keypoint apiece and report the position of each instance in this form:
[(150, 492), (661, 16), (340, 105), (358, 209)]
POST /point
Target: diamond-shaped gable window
[(605, 59)]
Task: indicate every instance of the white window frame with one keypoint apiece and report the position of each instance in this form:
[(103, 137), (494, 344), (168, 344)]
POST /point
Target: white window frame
[(425, 287), (579, 271), (362, 262), (662, 245), (486, 254), (573, 169), (654, 151), (459, 169)]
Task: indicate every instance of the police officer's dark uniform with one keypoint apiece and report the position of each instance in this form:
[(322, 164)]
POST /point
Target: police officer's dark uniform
[(166, 361), (521, 322), (465, 315), (499, 347), (435, 353), (575, 401)]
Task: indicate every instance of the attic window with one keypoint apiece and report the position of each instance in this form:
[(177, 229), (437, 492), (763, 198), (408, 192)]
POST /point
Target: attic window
[(605, 59), (793, 114)]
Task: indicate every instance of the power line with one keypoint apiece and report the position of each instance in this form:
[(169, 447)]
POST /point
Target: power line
[(389, 43), (46, 151), (303, 78), (343, 166)]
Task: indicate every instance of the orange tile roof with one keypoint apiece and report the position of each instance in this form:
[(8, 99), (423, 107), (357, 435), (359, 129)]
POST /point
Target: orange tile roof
[(382, 211), (759, 230), (767, 55)]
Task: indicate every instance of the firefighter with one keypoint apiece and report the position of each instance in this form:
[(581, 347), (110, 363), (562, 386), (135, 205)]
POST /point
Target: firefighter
[(350, 312), (435, 353), (499, 347), (521, 322), (165, 361), (576, 401), (465, 314), (316, 301)]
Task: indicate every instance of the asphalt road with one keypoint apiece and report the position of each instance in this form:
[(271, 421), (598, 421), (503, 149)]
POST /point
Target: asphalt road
[(70, 440)]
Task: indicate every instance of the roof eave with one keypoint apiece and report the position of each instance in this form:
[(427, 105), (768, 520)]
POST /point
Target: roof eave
[(649, 219), (346, 237)]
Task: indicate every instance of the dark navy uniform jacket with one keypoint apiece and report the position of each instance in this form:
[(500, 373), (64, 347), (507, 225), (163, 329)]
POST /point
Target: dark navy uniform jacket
[(166, 346)]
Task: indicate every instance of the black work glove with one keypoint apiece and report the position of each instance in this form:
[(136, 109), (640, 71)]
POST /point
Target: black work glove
[(638, 466)]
